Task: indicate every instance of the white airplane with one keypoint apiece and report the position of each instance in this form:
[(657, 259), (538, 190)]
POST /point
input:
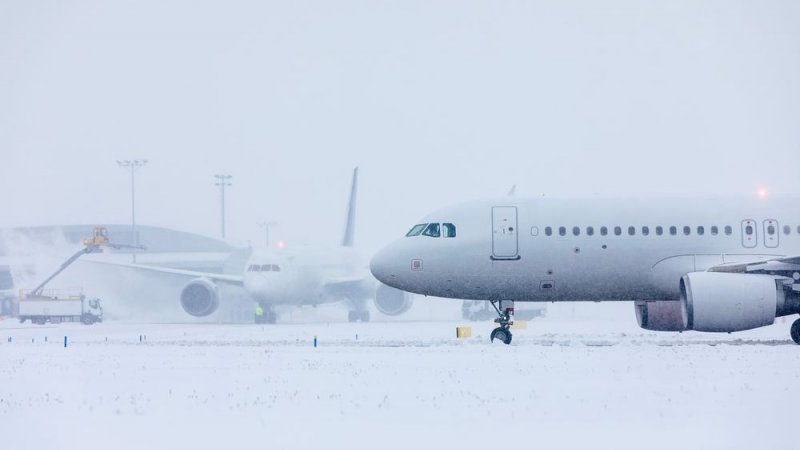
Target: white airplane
[(719, 265), (301, 276)]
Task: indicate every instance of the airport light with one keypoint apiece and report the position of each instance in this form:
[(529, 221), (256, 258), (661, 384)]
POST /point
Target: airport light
[(132, 165), (266, 226), (222, 181)]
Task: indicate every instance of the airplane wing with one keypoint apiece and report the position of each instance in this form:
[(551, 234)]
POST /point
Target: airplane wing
[(783, 266), (343, 286), (237, 280)]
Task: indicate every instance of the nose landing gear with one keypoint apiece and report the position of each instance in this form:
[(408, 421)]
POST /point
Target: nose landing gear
[(506, 318)]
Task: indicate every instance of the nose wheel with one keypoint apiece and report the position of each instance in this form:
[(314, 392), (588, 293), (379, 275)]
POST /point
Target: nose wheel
[(505, 319)]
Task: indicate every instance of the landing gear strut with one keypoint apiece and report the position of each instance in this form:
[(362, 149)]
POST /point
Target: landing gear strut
[(267, 316), (795, 331), (356, 315), (505, 311)]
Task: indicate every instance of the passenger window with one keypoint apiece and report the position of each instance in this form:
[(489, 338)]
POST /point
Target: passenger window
[(748, 230), (617, 231), (798, 229), (771, 230), (687, 230), (450, 230), (590, 231), (576, 231), (659, 230), (275, 268), (673, 230), (701, 231), (645, 231), (603, 231), (416, 230), (714, 230), (631, 231), (787, 229), (728, 230), (548, 231), (432, 230), (562, 231)]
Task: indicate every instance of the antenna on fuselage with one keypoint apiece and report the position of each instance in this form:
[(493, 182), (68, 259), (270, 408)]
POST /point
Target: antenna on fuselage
[(350, 225), (513, 191)]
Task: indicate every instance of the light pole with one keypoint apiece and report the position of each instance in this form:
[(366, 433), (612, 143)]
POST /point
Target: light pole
[(133, 165), (266, 226), (222, 181)]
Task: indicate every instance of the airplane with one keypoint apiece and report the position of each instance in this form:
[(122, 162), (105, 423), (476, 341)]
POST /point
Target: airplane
[(704, 264), (308, 275)]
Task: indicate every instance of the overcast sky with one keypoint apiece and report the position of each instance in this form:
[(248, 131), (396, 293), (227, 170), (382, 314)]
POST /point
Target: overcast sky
[(437, 102)]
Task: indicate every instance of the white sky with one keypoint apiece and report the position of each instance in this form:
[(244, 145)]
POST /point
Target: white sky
[(437, 102)]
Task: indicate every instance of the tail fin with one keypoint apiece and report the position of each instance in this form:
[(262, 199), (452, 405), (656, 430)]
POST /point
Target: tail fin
[(350, 226)]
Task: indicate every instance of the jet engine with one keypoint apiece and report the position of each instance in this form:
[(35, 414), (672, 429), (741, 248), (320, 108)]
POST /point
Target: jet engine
[(718, 301), (200, 297), (391, 301), (659, 315)]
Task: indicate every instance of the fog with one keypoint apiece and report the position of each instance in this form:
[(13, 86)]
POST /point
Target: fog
[(436, 102)]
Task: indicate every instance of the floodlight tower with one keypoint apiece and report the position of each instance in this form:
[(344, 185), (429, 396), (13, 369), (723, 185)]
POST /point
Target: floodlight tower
[(132, 165), (266, 226), (222, 181)]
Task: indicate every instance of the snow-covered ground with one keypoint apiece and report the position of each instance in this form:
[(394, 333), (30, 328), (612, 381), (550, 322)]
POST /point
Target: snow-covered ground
[(561, 384)]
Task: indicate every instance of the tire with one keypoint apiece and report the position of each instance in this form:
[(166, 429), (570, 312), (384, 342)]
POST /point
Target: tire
[(87, 319), (502, 335), (365, 316), (795, 331), (352, 316)]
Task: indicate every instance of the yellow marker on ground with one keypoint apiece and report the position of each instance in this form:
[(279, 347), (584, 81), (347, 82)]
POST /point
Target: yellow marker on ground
[(463, 332), (519, 325)]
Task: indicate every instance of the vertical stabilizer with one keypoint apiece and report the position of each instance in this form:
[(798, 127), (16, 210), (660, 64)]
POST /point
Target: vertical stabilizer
[(350, 226)]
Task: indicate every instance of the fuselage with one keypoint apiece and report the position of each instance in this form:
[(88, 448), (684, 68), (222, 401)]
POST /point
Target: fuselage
[(299, 276), (584, 249)]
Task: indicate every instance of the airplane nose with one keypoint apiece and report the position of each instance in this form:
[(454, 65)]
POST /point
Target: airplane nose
[(384, 266)]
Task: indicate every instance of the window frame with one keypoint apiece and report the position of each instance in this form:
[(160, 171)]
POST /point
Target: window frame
[(422, 227), (431, 234), (444, 230)]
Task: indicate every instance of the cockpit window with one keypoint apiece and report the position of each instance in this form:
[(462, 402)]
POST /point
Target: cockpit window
[(449, 230), (254, 268), (432, 230), (265, 268), (275, 268), (416, 230)]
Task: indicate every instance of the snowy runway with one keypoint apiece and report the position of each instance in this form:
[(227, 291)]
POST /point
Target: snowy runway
[(561, 384)]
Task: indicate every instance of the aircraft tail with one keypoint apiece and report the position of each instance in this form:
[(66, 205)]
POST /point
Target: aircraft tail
[(350, 226)]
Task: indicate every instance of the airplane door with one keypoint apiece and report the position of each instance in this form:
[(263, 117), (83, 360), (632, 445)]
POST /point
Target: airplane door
[(749, 233), (771, 237), (505, 241)]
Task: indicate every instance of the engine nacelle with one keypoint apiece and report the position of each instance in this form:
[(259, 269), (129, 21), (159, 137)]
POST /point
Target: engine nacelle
[(718, 301), (659, 315), (200, 297), (391, 301)]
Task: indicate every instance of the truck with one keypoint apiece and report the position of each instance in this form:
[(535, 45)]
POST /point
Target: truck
[(42, 306), (40, 309)]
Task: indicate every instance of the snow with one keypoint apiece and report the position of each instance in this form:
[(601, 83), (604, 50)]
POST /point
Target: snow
[(561, 384)]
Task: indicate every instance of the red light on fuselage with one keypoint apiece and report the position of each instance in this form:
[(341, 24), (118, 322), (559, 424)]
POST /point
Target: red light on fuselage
[(762, 193)]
